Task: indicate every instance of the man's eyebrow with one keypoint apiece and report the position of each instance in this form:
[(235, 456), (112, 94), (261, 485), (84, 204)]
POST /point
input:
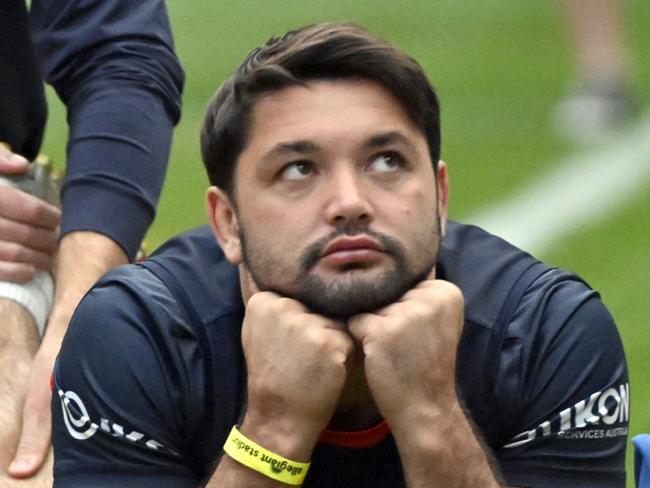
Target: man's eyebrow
[(287, 148), (380, 140), (387, 138)]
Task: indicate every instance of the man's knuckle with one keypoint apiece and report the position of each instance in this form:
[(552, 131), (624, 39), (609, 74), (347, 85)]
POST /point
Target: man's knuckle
[(282, 304), (49, 243), (316, 338), (39, 212), (288, 305), (260, 304), (33, 236), (455, 297), (254, 301), (449, 287)]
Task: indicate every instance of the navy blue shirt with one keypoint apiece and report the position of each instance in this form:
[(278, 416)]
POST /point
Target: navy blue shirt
[(22, 97), (151, 375), (113, 64)]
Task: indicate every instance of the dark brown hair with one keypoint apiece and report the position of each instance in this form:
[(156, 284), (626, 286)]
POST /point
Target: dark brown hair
[(319, 51)]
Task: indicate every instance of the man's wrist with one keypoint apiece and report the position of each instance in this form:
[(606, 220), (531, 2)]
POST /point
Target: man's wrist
[(268, 463), (436, 442), (427, 427), (427, 410), (283, 437)]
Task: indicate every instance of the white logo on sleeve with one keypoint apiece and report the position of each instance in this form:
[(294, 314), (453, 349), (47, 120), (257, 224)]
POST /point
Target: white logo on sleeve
[(79, 425), (604, 414)]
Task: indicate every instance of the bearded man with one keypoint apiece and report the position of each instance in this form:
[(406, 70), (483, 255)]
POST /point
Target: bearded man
[(321, 331)]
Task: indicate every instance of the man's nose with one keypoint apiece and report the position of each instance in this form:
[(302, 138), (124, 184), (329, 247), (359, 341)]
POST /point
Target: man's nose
[(348, 202)]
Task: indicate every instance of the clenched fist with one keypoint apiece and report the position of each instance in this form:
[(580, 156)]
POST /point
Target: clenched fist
[(410, 352), (296, 363)]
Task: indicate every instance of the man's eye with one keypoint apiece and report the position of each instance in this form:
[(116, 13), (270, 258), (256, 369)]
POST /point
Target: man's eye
[(298, 170), (386, 163)]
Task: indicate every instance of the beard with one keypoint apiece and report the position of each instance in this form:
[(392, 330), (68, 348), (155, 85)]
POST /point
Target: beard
[(351, 292)]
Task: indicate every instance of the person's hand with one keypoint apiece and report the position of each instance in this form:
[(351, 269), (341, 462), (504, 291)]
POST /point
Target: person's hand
[(42, 479), (34, 443), (82, 258), (410, 351), (28, 226), (296, 363)]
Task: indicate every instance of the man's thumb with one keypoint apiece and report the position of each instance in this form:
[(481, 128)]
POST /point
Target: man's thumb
[(32, 451)]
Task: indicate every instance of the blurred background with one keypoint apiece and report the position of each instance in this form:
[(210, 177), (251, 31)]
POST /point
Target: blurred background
[(505, 71)]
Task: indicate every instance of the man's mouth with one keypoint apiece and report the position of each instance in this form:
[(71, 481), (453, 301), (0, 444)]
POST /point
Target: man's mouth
[(352, 251)]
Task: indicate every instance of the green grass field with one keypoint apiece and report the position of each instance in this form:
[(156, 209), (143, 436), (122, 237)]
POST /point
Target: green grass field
[(498, 66)]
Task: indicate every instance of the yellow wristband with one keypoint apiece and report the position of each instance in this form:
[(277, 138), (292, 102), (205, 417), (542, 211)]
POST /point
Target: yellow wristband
[(254, 456)]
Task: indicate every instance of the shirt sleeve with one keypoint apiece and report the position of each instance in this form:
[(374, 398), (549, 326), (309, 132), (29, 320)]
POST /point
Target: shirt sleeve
[(563, 391), (113, 65), (125, 388)]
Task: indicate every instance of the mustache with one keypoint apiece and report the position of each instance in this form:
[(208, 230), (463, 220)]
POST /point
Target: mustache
[(314, 251)]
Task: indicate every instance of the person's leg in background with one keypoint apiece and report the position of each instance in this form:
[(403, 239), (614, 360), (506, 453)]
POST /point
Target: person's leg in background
[(600, 100)]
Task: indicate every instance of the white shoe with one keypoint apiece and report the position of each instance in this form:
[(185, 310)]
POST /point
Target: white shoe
[(594, 113)]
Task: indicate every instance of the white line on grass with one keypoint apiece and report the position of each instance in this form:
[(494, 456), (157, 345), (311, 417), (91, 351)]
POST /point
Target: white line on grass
[(583, 189)]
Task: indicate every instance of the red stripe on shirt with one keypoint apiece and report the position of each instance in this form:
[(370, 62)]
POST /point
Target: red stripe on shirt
[(358, 438)]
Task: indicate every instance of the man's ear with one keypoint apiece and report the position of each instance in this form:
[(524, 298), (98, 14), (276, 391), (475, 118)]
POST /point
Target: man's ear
[(442, 183), (225, 224)]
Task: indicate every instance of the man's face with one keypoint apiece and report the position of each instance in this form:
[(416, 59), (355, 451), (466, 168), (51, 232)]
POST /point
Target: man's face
[(337, 202)]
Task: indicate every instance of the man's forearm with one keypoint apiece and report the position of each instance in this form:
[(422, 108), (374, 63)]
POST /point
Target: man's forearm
[(18, 343), (441, 449), (82, 259)]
